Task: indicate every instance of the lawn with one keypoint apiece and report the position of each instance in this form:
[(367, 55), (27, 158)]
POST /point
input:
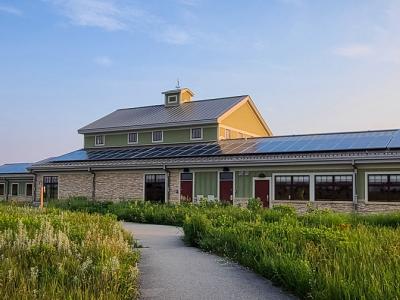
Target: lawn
[(54, 254), (318, 255)]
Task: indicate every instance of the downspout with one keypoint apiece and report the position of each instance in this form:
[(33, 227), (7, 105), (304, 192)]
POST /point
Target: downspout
[(355, 178), (168, 192), (93, 184), (7, 187), (34, 186)]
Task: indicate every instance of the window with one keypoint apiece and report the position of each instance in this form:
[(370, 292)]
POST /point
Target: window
[(155, 187), (384, 188), (50, 184), (227, 134), (99, 140), (173, 99), (132, 138), (186, 176), (226, 176), (292, 187), (334, 188), (14, 189), (196, 134), (2, 189), (29, 190), (158, 136)]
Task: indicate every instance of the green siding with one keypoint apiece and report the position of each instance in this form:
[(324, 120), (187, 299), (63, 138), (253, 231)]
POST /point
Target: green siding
[(244, 183), (206, 183), (171, 136)]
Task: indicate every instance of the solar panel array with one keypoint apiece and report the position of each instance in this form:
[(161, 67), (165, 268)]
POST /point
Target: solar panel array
[(373, 140)]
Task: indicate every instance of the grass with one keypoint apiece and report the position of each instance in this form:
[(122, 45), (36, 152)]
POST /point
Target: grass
[(318, 255), (54, 254)]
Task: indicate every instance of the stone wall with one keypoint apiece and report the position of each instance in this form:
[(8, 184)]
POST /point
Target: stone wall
[(174, 186), (375, 207), (123, 185), (303, 206), (75, 185)]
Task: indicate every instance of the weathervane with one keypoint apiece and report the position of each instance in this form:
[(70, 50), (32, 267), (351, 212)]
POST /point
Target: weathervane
[(178, 85)]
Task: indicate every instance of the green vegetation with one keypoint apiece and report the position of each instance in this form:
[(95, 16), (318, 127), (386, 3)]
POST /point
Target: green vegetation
[(319, 255), (53, 254)]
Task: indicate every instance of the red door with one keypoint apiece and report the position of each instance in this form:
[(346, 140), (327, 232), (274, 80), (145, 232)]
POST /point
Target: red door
[(226, 187), (186, 187), (262, 191), (186, 191)]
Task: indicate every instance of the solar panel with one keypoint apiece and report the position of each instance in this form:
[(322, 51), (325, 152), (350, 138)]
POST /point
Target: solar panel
[(362, 141)]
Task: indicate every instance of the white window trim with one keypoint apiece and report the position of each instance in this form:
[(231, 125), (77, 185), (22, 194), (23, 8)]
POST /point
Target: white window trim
[(367, 184), (26, 189), (137, 138), (172, 96), (4, 189), (162, 136), (12, 184), (191, 134), (95, 140)]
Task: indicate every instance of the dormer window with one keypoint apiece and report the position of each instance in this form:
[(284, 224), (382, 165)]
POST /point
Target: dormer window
[(157, 136), (132, 138), (172, 99), (196, 134), (99, 140)]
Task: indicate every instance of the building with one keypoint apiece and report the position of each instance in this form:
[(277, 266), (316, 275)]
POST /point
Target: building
[(222, 149), (16, 183)]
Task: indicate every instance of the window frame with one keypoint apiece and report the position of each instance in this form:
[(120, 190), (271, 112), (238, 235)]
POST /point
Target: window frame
[(367, 185), (12, 189), (191, 134), (172, 96), (103, 140), (292, 186), (26, 189), (4, 189), (137, 138), (162, 136), (335, 186)]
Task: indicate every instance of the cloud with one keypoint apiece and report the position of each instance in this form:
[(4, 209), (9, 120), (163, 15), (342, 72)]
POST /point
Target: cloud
[(189, 2), (109, 15), (103, 61), (10, 10), (354, 51), (176, 36)]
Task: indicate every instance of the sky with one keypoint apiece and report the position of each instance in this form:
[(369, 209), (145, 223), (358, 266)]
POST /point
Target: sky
[(310, 66)]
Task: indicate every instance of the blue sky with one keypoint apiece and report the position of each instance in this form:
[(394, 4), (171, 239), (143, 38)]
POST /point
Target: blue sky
[(310, 66)]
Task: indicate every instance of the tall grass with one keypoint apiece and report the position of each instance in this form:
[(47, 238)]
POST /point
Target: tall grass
[(318, 255), (55, 254)]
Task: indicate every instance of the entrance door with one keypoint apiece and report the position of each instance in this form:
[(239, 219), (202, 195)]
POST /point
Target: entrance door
[(155, 188), (226, 187), (261, 191), (186, 187), (50, 184)]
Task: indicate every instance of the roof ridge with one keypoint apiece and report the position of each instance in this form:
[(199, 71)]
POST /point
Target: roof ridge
[(201, 100)]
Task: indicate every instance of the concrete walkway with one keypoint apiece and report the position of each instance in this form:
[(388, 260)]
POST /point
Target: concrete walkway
[(171, 270)]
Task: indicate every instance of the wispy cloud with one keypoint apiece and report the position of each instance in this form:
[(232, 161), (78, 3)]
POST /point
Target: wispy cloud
[(10, 10), (354, 50), (189, 2), (175, 35), (103, 61), (119, 15)]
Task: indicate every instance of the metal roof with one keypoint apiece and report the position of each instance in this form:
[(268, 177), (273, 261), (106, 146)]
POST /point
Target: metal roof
[(19, 168), (313, 143), (195, 112)]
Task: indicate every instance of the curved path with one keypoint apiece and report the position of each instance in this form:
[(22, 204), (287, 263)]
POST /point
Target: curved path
[(171, 270)]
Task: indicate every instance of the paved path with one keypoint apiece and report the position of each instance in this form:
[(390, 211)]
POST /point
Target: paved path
[(171, 270)]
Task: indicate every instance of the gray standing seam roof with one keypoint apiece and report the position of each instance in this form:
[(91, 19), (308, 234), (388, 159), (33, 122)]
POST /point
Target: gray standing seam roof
[(195, 112)]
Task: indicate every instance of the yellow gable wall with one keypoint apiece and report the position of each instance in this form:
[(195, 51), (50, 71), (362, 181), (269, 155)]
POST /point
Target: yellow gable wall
[(245, 119)]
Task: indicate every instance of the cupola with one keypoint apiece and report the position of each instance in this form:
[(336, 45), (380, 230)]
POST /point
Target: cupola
[(177, 96)]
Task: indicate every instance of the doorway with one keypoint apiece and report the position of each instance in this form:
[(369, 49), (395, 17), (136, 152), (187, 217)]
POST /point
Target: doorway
[(226, 187), (154, 188), (186, 187), (261, 190)]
